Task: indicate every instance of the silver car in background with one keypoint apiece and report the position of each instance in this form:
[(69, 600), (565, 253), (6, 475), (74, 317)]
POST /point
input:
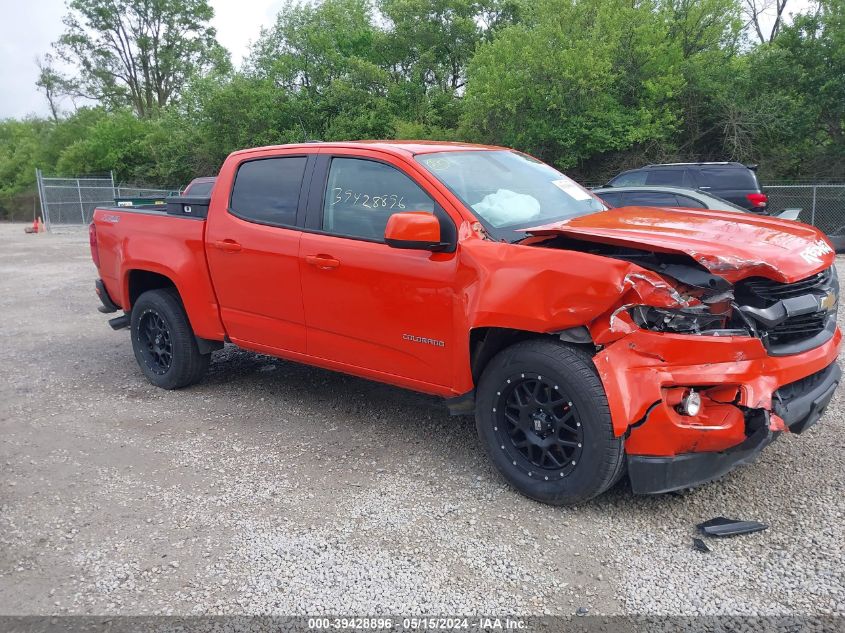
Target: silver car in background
[(660, 196)]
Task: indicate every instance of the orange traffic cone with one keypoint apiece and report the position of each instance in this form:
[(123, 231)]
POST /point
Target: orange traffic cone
[(35, 228)]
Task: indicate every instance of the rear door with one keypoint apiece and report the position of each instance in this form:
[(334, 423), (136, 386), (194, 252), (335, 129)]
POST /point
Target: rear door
[(252, 247), (368, 305)]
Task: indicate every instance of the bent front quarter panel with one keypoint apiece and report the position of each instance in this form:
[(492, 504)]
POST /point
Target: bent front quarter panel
[(168, 245), (541, 290)]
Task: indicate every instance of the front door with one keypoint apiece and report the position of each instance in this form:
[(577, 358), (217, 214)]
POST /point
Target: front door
[(368, 305), (253, 255)]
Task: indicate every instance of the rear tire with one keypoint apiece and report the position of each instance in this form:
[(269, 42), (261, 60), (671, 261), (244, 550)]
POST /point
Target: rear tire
[(542, 415), (163, 341)]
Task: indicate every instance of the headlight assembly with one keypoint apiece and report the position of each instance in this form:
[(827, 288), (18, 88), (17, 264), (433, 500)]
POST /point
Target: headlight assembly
[(696, 320)]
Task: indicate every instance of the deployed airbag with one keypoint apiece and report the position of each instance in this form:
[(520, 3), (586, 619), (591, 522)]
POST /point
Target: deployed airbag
[(507, 207)]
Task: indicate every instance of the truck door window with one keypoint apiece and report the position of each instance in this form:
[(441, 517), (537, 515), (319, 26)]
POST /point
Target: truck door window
[(362, 194), (267, 190)]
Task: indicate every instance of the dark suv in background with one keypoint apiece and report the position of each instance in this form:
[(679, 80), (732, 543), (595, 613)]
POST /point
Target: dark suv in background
[(734, 182)]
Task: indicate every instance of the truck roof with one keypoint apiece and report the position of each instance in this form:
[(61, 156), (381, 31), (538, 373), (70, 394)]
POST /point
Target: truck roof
[(395, 147)]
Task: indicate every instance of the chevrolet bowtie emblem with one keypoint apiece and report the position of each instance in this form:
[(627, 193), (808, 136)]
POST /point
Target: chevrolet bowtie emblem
[(828, 302)]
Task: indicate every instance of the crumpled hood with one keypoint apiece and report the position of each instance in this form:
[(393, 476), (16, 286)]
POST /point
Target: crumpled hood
[(732, 245)]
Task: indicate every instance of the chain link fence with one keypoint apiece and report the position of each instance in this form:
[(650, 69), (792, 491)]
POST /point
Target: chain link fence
[(73, 200), (823, 206)]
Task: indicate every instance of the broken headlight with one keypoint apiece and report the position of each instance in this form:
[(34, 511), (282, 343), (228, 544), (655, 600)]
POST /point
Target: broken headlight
[(695, 320)]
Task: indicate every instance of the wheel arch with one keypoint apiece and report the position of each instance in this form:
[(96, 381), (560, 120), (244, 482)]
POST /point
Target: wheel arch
[(487, 341), (140, 280)]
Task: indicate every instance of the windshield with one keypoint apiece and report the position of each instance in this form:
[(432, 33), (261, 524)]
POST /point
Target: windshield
[(508, 191)]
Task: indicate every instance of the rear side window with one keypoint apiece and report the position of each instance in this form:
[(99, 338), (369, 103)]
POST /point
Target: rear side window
[(362, 194), (611, 199), (629, 179), (650, 199), (671, 177), (727, 178), (267, 190), (690, 203)]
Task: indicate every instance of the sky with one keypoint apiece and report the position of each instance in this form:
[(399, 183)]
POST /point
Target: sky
[(28, 27)]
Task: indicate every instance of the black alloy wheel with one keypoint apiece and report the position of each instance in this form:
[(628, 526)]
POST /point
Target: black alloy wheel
[(542, 416), (156, 342), (163, 341), (538, 425)]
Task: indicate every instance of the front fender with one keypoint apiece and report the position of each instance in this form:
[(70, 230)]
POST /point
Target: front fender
[(545, 290)]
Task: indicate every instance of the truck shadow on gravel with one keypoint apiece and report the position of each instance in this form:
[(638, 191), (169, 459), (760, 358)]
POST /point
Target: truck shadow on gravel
[(287, 397), (373, 408)]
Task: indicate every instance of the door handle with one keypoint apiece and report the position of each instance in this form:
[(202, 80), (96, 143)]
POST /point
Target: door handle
[(322, 261), (227, 246)]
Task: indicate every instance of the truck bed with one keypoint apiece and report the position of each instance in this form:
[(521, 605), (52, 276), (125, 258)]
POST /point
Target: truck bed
[(151, 239)]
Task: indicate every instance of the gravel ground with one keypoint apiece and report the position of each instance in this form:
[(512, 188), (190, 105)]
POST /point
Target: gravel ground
[(277, 488)]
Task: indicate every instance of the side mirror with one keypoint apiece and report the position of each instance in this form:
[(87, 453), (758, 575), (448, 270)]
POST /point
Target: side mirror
[(413, 229)]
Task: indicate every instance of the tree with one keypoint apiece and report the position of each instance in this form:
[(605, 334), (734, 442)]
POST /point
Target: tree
[(803, 71), (116, 142), (137, 53), (757, 11), (50, 82), (427, 47), (575, 81), (708, 33), (324, 59), (312, 45), (432, 41)]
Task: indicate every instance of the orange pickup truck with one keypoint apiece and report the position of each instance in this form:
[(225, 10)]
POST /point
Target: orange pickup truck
[(668, 344)]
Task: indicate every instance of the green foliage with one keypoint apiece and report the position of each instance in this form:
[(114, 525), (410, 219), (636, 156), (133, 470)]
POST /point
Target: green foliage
[(583, 79), (802, 72), (117, 142), (592, 86), (137, 53)]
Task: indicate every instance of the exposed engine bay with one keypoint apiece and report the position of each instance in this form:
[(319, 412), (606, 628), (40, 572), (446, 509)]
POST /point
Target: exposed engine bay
[(787, 317)]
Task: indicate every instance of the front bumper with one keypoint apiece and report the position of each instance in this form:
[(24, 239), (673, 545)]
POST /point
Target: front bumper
[(802, 403), (800, 406), (654, 474), (749, 398)]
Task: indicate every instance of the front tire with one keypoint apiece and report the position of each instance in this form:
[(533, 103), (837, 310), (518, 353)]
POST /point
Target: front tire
[(163, 341), (542, 415)]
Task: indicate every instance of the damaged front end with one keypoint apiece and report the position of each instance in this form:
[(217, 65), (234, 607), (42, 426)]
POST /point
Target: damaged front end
[(756, 356)]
